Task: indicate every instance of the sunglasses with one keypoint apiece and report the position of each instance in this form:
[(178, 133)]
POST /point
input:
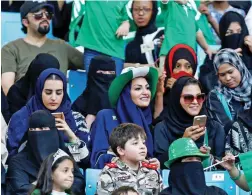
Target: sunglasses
[(39, 16), (188, 98)]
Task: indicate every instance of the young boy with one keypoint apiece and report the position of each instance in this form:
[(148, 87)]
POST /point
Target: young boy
[(125, 190), (127, 141)]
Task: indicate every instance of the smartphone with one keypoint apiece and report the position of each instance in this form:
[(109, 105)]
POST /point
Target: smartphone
[(200, 120), (59, 115)]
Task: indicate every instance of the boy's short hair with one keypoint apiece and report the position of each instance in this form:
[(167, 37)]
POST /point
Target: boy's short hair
[(124, 132), (124, 190)]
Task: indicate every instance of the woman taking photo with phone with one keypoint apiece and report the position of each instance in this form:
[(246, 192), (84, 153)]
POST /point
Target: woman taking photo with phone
[(50, 95), (186, 99)]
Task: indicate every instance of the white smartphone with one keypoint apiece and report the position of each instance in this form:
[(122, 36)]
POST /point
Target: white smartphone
[(200, 120)]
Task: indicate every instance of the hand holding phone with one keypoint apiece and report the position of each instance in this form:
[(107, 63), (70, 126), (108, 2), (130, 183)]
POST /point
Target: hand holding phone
[(200, 120), (59, 115), (194, 132)]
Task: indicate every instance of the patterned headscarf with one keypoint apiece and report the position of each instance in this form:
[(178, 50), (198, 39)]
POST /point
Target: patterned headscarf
[(242, 92)]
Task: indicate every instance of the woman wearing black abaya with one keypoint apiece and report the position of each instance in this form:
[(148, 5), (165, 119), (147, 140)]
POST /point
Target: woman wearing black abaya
[(43, 139), (147, 35), (95, 97), (239, 138), (233, 34), (24, 89), (186, 102), (186, 170), (180, 61)]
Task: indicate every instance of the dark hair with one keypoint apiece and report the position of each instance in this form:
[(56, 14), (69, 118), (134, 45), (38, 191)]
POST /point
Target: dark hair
[(124, 190), (193, 81), (44, 179), (24, 29), (53, 77), (124, 132)]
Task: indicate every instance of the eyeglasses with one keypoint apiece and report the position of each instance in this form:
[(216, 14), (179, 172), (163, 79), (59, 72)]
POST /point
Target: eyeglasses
[(144, 10), (39, 16), (188, 98)]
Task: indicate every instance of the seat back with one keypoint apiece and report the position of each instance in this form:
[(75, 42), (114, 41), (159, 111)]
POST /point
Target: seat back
[(11, 27), (76, 83), (92, 176), (220, 179), (165, 175)]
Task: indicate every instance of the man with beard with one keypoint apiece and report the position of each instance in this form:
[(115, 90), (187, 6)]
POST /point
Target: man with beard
[(17, 55)]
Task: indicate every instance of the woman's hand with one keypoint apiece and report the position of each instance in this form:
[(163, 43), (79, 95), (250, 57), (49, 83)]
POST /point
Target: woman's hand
[(160, 84), (229, 164), (170, 82), (63, 126), (248, 42), (205, 149), (123, 29), (194, 132)]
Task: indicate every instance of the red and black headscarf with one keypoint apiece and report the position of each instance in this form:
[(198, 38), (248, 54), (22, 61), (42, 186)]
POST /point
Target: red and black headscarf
[(179, 51)]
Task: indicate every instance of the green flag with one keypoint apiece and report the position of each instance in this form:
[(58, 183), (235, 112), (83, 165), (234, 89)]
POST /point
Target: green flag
[(246, 163), (78, 12)]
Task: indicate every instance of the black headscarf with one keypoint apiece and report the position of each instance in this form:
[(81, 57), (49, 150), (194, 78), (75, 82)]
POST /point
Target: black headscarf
[(45, 142), (177, 119), (151, 26), (235, 41), (178, 52), (95, 96), (24, 89), (133, 49)]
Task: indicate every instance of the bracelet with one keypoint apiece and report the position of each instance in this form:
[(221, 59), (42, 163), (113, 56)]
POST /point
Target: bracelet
[(237, 177)]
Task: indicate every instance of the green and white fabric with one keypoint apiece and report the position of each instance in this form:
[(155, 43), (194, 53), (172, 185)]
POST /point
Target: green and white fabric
[(78, 12), (180, 25), (246, 159), (128, 74), (98, 29)]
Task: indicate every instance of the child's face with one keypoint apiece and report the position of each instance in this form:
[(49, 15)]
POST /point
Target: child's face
[(134, 150), (63, 176)]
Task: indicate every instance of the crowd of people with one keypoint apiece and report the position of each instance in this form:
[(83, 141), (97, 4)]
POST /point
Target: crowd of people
[(137, 114)]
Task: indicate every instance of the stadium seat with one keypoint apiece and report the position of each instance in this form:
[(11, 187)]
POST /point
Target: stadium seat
[(222, 180), (11, 27), (92, 176), (76, 83), (165, 174), (215, 178)]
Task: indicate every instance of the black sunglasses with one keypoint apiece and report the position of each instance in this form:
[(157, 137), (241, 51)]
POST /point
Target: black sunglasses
[(39, 16)]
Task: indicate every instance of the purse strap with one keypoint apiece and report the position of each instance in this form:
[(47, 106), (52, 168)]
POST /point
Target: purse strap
[(224, 104)]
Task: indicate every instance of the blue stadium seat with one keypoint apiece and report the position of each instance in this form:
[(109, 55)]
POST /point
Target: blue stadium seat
[(92, 176), (76, 83), (165, 174), (215, 178), (222, 180), (11, 27)]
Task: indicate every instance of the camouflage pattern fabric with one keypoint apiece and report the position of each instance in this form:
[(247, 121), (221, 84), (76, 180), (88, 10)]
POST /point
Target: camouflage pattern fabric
[(147, 181)]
